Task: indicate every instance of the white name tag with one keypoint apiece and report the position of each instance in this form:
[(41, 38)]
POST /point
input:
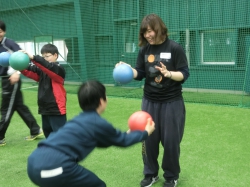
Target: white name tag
[(51, 173), (165, 55)]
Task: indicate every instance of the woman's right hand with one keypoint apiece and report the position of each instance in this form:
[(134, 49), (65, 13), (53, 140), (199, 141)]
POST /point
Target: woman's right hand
[(121, 62), (134, 70)]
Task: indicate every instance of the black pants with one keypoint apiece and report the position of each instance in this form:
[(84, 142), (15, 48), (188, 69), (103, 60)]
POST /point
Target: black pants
[(11, 101), (51, 123), (169, 121), (48, 167)]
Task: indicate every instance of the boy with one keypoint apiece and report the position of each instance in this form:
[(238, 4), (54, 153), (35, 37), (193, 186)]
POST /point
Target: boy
[(12, 98), (51, 93), (55, 161)]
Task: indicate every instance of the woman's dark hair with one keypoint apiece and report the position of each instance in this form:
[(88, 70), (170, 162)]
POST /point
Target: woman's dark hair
[(2, 26), (49, 48), (90, 93), (156, 24)]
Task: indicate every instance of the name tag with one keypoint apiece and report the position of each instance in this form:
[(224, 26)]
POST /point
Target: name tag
[(165, 55), (51, 173)]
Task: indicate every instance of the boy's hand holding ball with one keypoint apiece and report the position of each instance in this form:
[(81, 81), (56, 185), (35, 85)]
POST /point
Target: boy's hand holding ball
[(141, 121), (150, 127)]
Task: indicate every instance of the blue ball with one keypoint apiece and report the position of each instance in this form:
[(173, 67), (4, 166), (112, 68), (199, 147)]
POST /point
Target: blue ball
[(4, 59), (123, 74)]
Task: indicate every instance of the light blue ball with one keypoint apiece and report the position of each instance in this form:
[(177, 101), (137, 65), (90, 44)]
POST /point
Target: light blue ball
[(123, 74), (4, 59)]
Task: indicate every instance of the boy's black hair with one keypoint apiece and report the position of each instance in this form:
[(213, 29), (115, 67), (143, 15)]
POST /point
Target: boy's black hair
[(90, 93), (2, 26), (49, 48)]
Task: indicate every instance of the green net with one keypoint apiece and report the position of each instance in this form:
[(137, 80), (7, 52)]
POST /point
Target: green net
[(93, 35)]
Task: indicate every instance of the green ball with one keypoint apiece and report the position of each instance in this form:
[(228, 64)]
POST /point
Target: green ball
[(19, 60)]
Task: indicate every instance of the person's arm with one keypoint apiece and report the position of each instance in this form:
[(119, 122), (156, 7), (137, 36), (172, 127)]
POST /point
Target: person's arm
[(139, 70), (181, 74), (174, 75), (53, 70), (14, 75), (32, 72), (107, 135), (12, 46), (135, 73)]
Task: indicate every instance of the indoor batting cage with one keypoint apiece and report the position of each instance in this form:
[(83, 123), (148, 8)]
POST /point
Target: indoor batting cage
[(93, 35)]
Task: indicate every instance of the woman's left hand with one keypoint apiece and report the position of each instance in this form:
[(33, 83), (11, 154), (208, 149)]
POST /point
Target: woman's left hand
[(163, 69)]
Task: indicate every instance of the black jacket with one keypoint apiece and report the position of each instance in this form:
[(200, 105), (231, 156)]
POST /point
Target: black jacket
[(51, 91)]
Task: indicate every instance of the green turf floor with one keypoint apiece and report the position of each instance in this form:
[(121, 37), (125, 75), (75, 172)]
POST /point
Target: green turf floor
[(214, 151)]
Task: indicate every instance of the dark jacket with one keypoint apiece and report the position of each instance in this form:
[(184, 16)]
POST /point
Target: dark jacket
[(87, 131), (7, 45), (51, 91)]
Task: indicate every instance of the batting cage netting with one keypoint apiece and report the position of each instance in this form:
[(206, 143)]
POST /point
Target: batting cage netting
[(93, 35)]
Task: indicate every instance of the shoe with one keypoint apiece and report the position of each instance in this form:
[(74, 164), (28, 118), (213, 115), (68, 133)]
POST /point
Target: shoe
[(170, 183), (2, 142), (149, 181), (33, 137)]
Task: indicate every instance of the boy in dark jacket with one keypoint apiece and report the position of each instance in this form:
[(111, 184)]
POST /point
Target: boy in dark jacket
[(51, 93), (55, 161)]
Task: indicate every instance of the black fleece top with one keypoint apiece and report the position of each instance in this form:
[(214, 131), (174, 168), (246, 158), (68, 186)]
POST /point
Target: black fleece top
[(158, 88)]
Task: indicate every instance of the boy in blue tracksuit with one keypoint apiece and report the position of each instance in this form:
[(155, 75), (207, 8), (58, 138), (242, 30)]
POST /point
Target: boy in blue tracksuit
[(55, 161)]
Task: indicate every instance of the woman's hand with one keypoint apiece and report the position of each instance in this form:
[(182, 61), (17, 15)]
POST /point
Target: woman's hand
[(163, 69), (119, 63)]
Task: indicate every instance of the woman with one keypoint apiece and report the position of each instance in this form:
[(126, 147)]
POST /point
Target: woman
[(163, 64)]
